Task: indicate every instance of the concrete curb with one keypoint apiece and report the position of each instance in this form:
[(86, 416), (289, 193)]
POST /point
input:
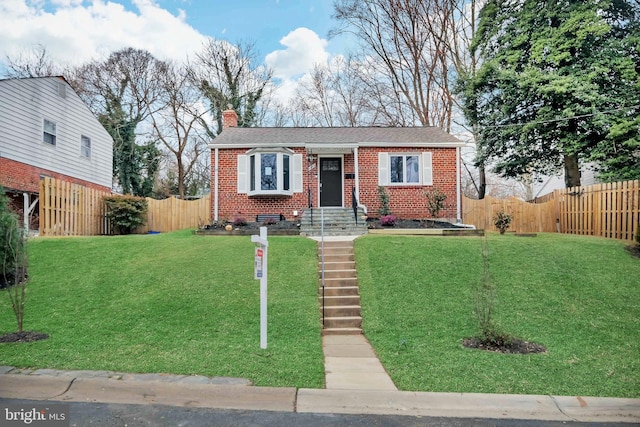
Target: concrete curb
[(230, 393), (470, 405)]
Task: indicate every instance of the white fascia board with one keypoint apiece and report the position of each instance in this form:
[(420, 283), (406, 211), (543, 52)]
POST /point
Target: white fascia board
[(340, 146), (257, 145), (413, 144)]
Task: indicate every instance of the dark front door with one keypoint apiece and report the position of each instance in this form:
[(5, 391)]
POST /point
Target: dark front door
[(330, 181)]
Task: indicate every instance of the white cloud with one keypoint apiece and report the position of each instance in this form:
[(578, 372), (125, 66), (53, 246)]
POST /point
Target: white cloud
[(76, 31), (304, 49)]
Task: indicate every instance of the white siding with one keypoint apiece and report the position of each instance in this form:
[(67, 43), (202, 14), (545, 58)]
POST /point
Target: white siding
[(25, 103)]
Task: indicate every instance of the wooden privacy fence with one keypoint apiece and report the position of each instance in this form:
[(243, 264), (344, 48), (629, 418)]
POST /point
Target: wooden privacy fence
[(68, 209), (608, 210), (527, 217), (176, 214)]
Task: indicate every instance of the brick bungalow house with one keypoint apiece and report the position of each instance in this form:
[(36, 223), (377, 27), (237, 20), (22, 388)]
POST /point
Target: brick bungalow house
[(257, 171), (46, 130)]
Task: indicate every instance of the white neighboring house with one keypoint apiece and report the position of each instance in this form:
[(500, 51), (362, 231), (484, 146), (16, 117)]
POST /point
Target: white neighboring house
[(47, 130), (537, 185)]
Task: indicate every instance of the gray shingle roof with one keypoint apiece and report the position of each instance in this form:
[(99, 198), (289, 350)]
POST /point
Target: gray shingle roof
[(363, 136)]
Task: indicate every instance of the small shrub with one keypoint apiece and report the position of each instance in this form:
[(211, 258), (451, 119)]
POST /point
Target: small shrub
[(502, 220), (638, 234), (269, 221), (126, 213), (221, 223), (484, 299), (388, 220), (384, 201), (239, 221), (8, 228), (13, 256), (435, 201)]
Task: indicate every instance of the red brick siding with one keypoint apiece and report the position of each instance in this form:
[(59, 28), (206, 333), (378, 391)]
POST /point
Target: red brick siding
[(232, 205), (406, 201), (229, 119), (22, 177)]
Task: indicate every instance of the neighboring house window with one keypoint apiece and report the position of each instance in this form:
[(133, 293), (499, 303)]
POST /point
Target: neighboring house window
[(49, 132), (405, 169), (85, 146), (62, 89), (270, 173)]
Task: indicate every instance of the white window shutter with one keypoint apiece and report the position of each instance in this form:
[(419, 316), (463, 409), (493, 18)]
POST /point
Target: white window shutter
[(383, 168), (243, 180), (297, 173), (427, 168)]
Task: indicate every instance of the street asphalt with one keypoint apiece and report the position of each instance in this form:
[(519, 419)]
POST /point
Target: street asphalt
[(119, 415)]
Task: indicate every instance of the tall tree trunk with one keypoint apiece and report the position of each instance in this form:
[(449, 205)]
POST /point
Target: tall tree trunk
[(482, 181), (180, 177), (571, 171)]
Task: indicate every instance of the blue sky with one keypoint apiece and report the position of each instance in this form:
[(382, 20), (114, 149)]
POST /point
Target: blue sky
[(289, 35), (262, 21)]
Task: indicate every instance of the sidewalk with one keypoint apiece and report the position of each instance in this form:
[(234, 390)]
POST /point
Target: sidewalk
[(231, 393)]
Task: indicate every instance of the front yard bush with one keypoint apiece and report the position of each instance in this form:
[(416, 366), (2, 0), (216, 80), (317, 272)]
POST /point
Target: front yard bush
[(126, 213)]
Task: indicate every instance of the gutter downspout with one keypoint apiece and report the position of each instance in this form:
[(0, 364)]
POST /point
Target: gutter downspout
[(215, 184), (458, 194), (356, 165)]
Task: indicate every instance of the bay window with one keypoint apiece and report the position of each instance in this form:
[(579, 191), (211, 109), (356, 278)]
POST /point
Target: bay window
[(271, 172)]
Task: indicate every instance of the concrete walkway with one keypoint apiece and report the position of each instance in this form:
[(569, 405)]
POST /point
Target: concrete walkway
[(351, 364), (228, 393), (349, 360)]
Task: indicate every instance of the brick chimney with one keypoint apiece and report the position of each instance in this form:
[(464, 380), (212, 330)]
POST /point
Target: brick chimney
[(229, 118)]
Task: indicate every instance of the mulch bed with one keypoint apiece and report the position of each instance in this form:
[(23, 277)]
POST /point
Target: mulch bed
[(410, 224), (279, 228), (293, 227), (24, 336), (634, 250), (513, 346)]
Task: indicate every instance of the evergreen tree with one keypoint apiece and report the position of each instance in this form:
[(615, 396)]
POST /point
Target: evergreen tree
[(559, 83)]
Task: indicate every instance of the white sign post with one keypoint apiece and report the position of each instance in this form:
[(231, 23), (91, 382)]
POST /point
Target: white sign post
[(260, 272)]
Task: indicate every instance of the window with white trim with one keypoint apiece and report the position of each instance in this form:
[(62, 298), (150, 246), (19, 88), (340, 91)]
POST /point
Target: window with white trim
[(85, 146), (405, 168), (270, 173), (49, 132)]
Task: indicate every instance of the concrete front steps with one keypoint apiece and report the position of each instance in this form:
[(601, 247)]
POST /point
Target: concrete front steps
[(332, 222), (340, 298)]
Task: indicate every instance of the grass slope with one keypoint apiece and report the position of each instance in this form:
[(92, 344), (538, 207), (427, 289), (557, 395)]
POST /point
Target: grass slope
[(174, 303), (578, 296)]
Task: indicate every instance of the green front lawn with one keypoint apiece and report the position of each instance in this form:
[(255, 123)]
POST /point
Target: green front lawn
[(578, 296), (173, 303), (185, 304)]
